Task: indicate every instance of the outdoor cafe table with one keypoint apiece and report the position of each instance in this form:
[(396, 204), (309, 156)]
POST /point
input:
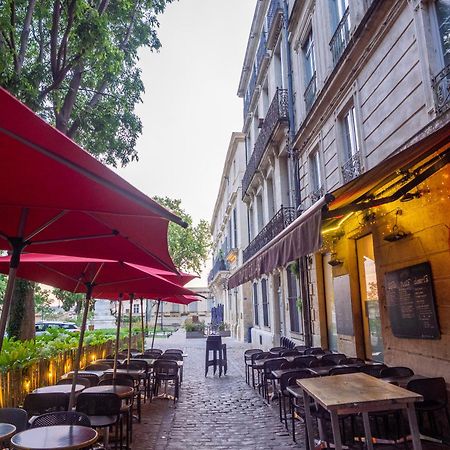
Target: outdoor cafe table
[(6, 431), (121, 391), (57, 437), (59, 389), (357, 393), (135, 374)]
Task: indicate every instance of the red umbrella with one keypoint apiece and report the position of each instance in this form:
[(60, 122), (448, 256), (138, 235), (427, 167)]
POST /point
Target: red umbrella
[(96, 278), (56, 198)]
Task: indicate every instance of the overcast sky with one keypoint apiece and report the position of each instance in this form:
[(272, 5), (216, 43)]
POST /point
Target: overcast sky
[(190, 106)]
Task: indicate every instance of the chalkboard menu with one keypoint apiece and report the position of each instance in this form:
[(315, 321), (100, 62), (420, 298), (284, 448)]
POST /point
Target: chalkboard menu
[(411, 304), (343, 305)]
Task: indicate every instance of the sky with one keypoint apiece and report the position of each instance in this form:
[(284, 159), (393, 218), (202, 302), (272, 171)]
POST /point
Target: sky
[(190, 106)]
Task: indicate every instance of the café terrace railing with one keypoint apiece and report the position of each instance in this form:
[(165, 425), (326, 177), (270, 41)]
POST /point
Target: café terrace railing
[(340, 37), (441, 89), (352, 168), (277, 112), (278, 223), (219, 266)]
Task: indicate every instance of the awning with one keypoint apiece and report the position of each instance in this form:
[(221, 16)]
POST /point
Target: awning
[(299, 238)]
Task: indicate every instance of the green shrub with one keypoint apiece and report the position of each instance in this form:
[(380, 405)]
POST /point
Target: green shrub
[(194, 326)]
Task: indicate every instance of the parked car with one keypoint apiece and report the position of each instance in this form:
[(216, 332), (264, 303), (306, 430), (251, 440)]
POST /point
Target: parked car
[(42, 327)]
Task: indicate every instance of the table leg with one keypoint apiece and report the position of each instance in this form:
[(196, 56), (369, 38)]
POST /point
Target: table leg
[(367, 431), (336, 430), (412, 419), (309, 429)]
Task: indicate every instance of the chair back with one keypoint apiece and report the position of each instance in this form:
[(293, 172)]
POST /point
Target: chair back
[(248, 353), (80, 380), (153, 350), (343, 370), (289, 353), (122, 379), (373, 370), (322, 363), (98, 366), (300, 348), (315, 351), (432, 389), (277, 350), (150, 355), (135, 364), (61, 418), (272, 364), (171, 356), (101, 404), (92, 377), (288, 378), (108, 362), (15, 416), (397, 372), (174, 350), (358, 361), (37, 404), (335, 357), (165, 367)]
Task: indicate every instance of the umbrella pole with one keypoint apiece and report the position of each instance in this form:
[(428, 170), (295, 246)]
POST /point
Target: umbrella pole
[(76, 367), (129, 327), (142, 325), (119, 316), (156, 323)]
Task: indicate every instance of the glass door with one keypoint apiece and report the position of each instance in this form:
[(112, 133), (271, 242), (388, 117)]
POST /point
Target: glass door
[(373, 341), (329, 303)]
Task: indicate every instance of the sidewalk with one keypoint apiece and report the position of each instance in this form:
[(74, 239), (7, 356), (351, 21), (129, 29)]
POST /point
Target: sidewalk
[(212, 412)]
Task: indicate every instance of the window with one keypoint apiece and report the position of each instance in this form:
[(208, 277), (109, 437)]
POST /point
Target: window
[(443, 19), (136, 309), (310, 70), (255, 303), (315, 176), (341, 28), (265, 302), (294, 314), (351, 167), (235, 242)]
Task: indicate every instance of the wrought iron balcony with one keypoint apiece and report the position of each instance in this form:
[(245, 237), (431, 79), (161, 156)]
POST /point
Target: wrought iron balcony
[(276, 225), (352, 168), (219, 266), (250, 91), (316, 195), (261, 53), (278, 112), (310, 93), (274, 22), (340, 37), (441, 89)]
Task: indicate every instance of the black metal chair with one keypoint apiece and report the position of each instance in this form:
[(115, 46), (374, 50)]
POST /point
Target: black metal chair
[(267, 376), (277, 350), (358, 361), (314, 351), (98, 366), (219, 355), (292, 352), (343, 370), (337, 358), (109, 362), (435, 399), (104, 411), (300, 348), (61, 418), (255, 357), (151, 350), (15, 416), (396, 372), (174, 350), (139, 364), (36, 404), (322, 363), (373, 370), (165, 370), (92, 377), (247, 361)]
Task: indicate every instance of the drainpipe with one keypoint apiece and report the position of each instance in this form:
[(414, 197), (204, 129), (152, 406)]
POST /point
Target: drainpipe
[(302, 262)]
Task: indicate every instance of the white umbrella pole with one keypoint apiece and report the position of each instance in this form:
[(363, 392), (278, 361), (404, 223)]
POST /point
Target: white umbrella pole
[(129, 327), (76, 367), (142, 325), (156, 323), (117, 337)]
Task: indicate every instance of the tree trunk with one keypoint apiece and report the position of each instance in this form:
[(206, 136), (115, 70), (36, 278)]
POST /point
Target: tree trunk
[(21, 318)]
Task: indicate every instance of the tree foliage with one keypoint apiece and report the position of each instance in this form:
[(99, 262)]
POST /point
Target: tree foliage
[(69, 300), (189, 246), (75, 63)]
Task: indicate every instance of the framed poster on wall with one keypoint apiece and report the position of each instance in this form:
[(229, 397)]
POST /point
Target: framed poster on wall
[(343, 305), (411, 303)]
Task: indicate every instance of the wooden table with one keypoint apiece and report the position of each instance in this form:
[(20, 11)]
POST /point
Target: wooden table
[(58, 437), (357, 393), (6, 431), (121, 391), (59, 388)]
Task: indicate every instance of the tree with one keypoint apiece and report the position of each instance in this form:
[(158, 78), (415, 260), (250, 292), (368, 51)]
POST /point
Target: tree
[(189, 246), (42, 301), (74, 62), (69, 300)]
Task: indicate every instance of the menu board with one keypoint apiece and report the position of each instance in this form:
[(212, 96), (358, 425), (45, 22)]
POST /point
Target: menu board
[(410, 301), (343, 305)]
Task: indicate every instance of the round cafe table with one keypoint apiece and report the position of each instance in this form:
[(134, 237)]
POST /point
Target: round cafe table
[(59, 389), (6, 431), (57, 437), (120, 391)]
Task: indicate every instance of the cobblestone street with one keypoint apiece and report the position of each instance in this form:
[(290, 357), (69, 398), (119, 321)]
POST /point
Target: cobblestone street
[(213, 412)]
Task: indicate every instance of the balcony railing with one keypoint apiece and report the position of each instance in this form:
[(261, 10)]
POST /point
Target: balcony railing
[(276, 225), (274, 22), (340, 37), (219, 266), (310, 93), (352, 168), (441, 89), (278, 112), (316, 195), (262, 53), (250, 91)]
